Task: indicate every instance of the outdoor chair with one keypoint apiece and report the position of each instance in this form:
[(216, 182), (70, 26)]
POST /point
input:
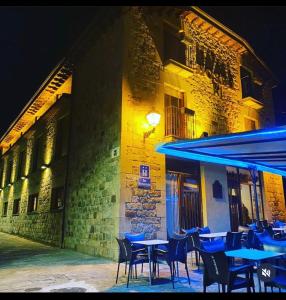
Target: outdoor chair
[(252, 241), (190, 243), (129, 256), (177, 252), (233, 241), (217, 269), (279, 281)]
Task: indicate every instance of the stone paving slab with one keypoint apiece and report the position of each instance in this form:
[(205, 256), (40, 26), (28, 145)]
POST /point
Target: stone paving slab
[(27, 266)]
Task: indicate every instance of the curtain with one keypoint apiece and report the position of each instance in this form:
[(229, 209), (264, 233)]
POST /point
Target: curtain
[(172, 203)]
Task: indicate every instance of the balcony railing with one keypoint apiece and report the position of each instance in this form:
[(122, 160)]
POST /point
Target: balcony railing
[(179, 122)]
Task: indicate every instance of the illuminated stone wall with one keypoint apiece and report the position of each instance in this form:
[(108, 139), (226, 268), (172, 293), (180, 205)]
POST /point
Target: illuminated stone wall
[(42, 225), (94, 186), (273, 197)]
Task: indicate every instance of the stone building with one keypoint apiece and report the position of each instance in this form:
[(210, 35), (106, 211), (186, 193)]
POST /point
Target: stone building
[(178, 62)]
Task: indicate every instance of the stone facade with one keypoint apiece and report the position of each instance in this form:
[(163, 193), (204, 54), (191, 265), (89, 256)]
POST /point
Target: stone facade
[(122, 72), (91, 223), (43, 224)]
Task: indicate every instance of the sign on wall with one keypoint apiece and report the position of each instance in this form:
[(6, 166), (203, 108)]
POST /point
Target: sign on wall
[(144, 181)]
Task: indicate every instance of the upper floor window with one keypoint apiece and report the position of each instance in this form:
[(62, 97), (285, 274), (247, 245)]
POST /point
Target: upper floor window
[(61, 147), (9, 172), (5, 209), (33, 203), (36, 153), (16, 207), (249, 87), (57, 199), (246, 82), (1, 173), (173, 47), (21, 164), (179, 120)]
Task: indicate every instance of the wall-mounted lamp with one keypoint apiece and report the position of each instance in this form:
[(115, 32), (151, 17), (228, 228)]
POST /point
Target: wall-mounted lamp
[(44, 166), (153, 119), (9, 184), (23, 177), (1, 189)]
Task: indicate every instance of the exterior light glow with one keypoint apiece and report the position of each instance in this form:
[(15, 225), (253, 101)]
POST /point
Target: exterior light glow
[(153, 118), (23, 177), (44, 166)]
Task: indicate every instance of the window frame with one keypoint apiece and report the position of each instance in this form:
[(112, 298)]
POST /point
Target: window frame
[(34, 210), (18, 210), (55, 196)]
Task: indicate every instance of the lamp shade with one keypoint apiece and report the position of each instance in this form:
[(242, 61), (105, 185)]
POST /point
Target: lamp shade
[(153, 118)]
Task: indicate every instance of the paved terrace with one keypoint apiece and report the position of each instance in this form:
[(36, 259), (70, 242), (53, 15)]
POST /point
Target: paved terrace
[(27, 266)]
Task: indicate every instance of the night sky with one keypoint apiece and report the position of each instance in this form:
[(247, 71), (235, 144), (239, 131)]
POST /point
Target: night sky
[(34, 39)]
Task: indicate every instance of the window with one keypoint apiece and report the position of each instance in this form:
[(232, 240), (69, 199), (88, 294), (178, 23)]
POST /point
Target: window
[(249, 124), (36, 153), (9, 172), (57, 200), (21, 163), (61, 137), (33, 203), (1, 173), (5, 209), (173, 47), (16, 207), (246, 82)]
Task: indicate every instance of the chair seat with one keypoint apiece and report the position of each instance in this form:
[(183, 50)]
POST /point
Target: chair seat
[(214, 246), (279, 281), (239, 282)]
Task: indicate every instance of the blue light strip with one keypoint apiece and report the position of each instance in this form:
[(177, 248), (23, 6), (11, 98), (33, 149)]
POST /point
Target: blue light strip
[(163, 148), (253, 133)]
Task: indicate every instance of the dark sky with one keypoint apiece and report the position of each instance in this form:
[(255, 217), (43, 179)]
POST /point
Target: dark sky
[(34, 39)]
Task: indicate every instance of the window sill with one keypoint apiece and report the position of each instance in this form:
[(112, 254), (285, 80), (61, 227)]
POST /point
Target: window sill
[(4, 216), (15, 215), (32, 213)]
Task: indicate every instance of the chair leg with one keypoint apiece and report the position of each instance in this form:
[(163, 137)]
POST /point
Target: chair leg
[(271, 289), (172, 275), (125, 268), (158, 269), (177, 265), (279, 290), (223, 288), (205, 288), (142, 268), (218, 287), (136, 271), (117, 273), (129, 270), (186, 267)]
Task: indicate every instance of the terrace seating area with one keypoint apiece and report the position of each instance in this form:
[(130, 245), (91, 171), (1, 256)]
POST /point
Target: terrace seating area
[(228, 260)]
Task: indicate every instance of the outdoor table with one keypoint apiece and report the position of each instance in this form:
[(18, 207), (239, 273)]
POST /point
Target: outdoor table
[(279, 229), (150, 246), (254, 255), (213, 235)]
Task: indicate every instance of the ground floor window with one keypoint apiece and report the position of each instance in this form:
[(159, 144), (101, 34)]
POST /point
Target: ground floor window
[(183, 199), (241, 195), (33, 203), (5, 209), (16, 207)]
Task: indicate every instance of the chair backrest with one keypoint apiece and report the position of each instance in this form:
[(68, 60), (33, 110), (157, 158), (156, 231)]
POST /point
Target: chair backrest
[(177, 249), (204, 230), (233, 240), (190, 244), (216, 267), (252, 241), (195, 240), (270, 230), (133, 237), (125, 250)]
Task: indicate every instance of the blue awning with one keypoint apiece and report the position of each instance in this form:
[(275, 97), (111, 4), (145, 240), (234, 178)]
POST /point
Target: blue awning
[(264, 150)]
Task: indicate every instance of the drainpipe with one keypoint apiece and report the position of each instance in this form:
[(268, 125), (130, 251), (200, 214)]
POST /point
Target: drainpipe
[(67, 172), (254, 178)]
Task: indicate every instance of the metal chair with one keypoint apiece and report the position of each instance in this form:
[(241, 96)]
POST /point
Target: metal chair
[(217, 269), (129, 256)]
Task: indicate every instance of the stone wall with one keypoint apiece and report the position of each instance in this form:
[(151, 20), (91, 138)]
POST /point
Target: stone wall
[(42, 225), (274, 202), (93, 175)]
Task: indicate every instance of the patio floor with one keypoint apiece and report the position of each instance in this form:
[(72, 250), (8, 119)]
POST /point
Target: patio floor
[(27, 266)]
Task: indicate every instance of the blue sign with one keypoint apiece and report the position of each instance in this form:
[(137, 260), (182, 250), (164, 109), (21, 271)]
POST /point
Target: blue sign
[(144, 171), (144, 183)]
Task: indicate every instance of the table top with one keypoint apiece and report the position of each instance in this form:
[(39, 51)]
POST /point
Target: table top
[(279, 228), (213, 235), (151, 242), (252, 254)]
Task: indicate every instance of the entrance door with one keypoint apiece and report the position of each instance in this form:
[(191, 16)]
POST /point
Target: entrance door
[(190, 210)]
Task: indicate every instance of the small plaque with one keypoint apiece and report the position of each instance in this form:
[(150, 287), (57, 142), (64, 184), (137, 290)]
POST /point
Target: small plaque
[(144, 183), (144, 171)]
